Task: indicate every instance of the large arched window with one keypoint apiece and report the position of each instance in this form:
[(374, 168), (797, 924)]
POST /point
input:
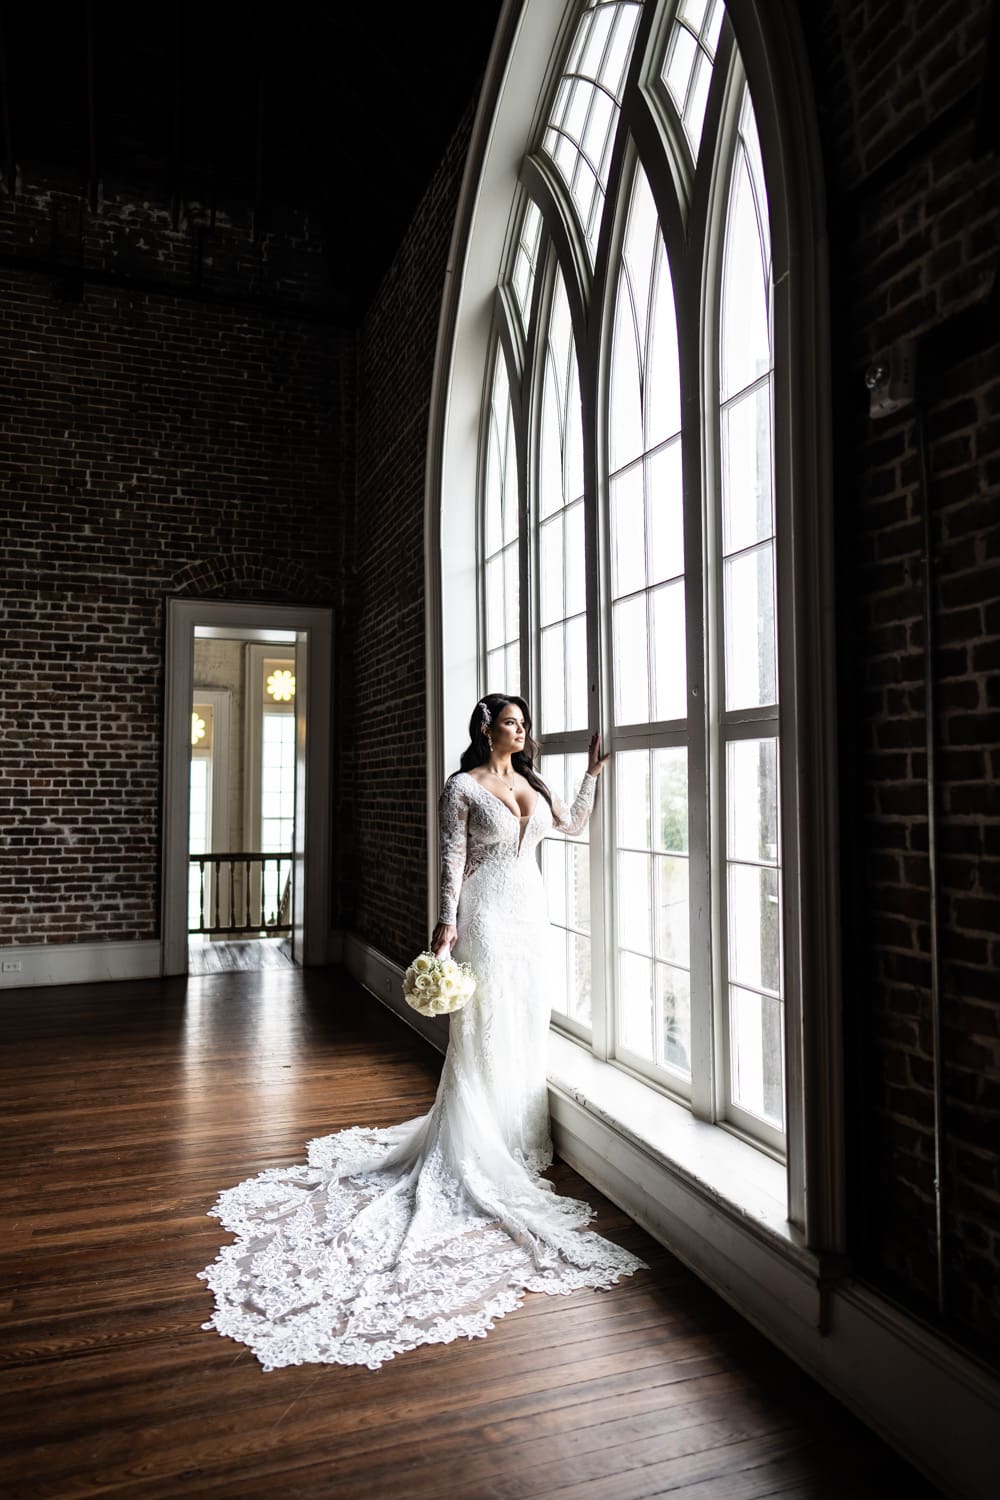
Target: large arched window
[(646, 558)]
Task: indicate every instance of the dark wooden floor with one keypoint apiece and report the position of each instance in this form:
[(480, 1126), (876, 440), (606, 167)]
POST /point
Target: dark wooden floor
[(128, 1106)]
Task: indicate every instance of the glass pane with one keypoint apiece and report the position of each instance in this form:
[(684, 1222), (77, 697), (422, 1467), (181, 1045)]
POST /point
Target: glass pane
[(555, 772), (670, 829), (752, 800), (663, 391), (494, 601), (632, 788), (553, 714), (680, 57), (511, 672), (642, 241), (578, 886), (714, 26), (576, 673), (747, 492), (754, 926), (631, 663), (596, 137), (625, 402), (665, 513), (756, 1027), (574, 431), (746, 344), (751, 140), (550, 570), (576, 577), (511, 587), (635, 1006), (634, 897), (510, 513), (672, 937), (491, 488), (694, 115), (579, 977), (693, 11), (619, 50), (674, 1005), (669, 652), (593, 52), (554, 875), (751, 679), (550, 490), (495, 672), (628, 546)]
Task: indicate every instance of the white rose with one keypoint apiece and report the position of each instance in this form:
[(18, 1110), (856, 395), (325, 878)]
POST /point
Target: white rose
[(449, 967), (423, 964), (422, 984)]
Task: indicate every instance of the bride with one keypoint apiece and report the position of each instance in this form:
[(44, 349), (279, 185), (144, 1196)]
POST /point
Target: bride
[(428, 1231)]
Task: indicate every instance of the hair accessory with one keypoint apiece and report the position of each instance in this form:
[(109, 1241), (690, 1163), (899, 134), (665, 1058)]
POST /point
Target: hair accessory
[(487, 716)]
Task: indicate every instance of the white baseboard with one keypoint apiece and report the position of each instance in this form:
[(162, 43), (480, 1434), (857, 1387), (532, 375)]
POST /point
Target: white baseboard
[(937, 1407), (77, 963)]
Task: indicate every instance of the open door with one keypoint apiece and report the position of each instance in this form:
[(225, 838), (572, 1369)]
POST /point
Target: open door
[(264, 625)]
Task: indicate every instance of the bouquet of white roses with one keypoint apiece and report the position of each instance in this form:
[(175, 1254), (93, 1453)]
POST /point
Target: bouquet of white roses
[(437, 986)]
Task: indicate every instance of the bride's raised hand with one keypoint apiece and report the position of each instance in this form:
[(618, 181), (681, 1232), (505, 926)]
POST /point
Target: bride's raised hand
[(443, 939), (595, 760)]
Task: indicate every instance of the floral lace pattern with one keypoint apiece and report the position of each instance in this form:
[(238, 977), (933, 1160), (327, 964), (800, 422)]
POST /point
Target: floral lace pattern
[(429, 1231)]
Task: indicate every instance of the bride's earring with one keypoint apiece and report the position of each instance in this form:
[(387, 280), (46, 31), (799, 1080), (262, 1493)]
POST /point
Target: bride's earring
[(489, 741)]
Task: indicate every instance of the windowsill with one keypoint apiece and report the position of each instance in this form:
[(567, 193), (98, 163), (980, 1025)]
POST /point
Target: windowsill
[(736, 1177)]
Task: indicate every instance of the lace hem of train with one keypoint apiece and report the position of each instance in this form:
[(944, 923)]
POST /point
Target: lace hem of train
[(342, 1262)]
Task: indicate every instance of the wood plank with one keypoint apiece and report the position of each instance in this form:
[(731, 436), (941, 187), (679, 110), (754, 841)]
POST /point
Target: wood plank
[(131, 1106)]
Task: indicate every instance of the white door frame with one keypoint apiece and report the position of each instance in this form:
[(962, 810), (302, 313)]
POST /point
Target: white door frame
[(313, 630)]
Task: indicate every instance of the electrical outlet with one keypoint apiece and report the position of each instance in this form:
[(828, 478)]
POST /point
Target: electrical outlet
[(12, 966)]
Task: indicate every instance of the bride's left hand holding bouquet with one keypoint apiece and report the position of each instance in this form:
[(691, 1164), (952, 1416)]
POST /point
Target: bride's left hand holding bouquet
[(437, 986)]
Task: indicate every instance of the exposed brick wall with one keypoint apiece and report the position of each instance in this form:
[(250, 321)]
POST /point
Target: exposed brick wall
[(152, 444), (384, 874), (915, 247)]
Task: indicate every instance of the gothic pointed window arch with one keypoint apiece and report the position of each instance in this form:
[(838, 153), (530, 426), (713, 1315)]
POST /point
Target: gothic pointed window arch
[(635, 556)]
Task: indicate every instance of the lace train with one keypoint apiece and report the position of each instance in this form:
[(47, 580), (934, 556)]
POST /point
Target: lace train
[(429, 1231)]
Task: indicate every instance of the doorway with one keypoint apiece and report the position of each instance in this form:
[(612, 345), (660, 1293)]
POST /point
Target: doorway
[(246, 848)]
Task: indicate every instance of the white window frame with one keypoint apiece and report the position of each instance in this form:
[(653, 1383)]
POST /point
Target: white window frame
[(529, 38)]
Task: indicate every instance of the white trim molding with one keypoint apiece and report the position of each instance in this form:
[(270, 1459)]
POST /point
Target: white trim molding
[(77, 963)]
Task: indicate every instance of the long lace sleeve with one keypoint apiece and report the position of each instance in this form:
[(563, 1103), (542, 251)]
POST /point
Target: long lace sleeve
[(575, 819), (453, 817)]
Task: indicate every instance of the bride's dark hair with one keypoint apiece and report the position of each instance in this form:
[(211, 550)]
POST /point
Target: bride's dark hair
[(478, 752)]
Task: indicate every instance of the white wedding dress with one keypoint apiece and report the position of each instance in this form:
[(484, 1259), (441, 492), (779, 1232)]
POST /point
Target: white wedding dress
[(427, 1232)]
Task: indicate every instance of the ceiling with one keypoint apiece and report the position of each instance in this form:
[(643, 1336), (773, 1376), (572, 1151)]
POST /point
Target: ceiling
[(342, 109)]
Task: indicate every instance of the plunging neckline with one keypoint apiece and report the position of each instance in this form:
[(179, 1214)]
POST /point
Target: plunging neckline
[(523, 818)]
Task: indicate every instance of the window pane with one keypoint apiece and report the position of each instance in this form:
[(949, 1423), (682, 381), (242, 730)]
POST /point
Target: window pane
[(576, 673), (574, 430), (674, 1006), (631, 662), (495, 672), (576, 579), (693, 11), (511, 588), (747, 492), (635, 1006), (680, 57), (754, 927), (748, 593), (757, 1051), (550, 490), (550, 570), (634, 902), (632, 789), (494, 601), (553, 705), (694, 115), (669, 652), (663, 391), (665, 513), (672, 937), (578, 886), (628, 542), (670, 829), (511, 672), (625, 417), (554, 875), (746, 344), (752, 801), (578, 977)]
